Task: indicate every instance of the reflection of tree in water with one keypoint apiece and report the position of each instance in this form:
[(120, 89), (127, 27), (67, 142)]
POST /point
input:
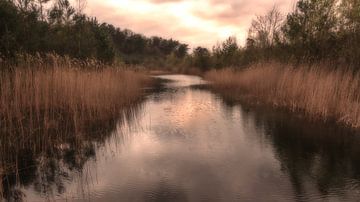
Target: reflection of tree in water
[(165, 192), (47, 160), (323, 154)]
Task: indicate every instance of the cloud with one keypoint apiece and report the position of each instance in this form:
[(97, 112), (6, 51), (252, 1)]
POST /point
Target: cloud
[(196, 22), (164, 1)]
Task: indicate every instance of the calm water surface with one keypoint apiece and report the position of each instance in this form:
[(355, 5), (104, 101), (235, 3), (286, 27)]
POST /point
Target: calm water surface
[(186, 143)]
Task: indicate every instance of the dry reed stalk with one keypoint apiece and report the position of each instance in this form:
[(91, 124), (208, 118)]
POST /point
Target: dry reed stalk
[(52, 96), (1, 182), (55, 106), (318, 92)]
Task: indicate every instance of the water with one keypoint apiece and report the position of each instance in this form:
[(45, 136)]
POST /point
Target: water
[(185, 143)]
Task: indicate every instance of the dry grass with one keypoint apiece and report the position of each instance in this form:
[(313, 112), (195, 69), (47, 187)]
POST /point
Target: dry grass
[(318, 92), (48, 103), (86, 93)]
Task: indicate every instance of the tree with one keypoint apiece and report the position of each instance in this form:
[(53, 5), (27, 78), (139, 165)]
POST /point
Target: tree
[(26, 26), (226, 54), (201, 58), (80, 6), (265, 31), (41, 8), (350, 31), (350, 15), (181, 51), (9, 27), (61, 13), (312, 27)]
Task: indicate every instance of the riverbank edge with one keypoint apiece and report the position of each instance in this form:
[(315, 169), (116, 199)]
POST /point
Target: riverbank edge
[(234, 91)]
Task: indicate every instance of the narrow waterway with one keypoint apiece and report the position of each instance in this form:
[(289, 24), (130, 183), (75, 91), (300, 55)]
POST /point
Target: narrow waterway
[(185, 143)]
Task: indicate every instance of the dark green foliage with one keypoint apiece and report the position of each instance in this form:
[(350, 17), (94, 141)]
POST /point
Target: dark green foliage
[(349, 33), (201, 58), (226, 54), (181, 50), (311, 29), (316, 31), (25, 27), (8, 27)]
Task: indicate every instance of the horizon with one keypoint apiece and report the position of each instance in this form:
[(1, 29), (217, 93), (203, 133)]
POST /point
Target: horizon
[(199, 23)]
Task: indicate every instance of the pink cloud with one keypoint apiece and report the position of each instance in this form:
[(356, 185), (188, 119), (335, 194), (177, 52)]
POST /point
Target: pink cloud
[(175, 18)]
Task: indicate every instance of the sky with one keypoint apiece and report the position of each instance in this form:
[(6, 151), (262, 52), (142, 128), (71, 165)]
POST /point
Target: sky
[(195, 22)]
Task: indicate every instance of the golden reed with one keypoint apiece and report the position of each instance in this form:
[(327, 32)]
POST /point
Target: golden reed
[(318, 92), (48, 101)]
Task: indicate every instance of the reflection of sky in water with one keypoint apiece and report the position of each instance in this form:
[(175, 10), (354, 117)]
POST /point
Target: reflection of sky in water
[(187, 145)]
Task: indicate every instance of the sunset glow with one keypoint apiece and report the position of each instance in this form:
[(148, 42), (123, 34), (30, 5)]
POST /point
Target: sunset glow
[(196, 22)]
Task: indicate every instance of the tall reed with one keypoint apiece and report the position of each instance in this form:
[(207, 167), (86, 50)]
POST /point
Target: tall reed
[(318, 92), (46, 103)]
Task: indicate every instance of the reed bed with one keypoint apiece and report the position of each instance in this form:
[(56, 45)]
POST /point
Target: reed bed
[(88, 94), (51, 105), (317, 92)]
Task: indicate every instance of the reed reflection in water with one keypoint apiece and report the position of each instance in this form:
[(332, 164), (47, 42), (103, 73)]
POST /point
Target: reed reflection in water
[(185, 143)]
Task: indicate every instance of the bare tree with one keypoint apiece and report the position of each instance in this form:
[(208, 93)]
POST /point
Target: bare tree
[(61, 12), (41, 7), (265, 30), (80, 6), (23, 5)]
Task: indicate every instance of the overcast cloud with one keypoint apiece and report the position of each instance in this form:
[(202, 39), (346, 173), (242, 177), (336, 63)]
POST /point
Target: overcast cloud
[(196, 22)]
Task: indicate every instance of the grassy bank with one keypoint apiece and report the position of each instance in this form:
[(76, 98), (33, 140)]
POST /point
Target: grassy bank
[(50, 107), (32, 95), (317, 92)]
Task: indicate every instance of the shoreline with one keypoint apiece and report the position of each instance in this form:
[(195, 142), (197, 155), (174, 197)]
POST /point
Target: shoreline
[(315, 95)]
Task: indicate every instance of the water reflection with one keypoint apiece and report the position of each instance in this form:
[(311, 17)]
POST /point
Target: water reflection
[(185, 143), (320, 159), (46, 163)]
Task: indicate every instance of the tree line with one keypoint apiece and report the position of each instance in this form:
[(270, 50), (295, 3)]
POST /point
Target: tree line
[(315, 31), (55, 26)]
